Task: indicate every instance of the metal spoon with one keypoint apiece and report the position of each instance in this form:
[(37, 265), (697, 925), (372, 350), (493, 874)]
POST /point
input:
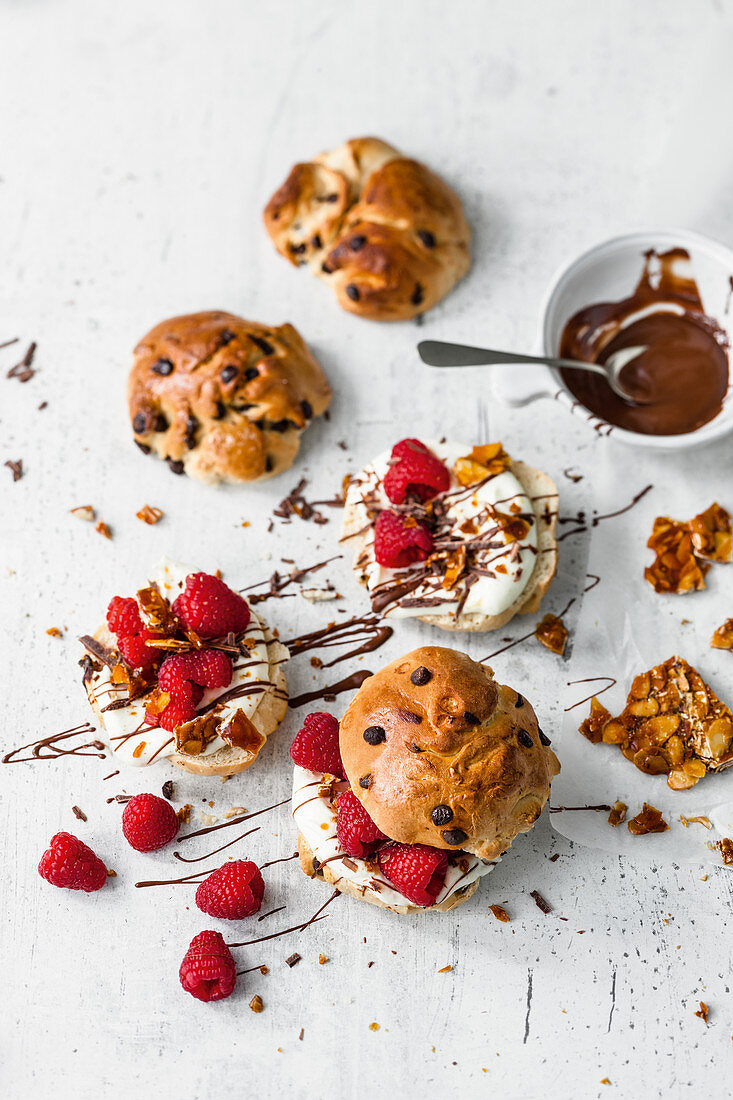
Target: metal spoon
[(437, 353)]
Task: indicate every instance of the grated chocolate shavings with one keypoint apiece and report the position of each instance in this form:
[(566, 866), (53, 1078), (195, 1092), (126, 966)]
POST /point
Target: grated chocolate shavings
[(78, 813), (16, 467), (540, 901), (293, 960), (23, 370)]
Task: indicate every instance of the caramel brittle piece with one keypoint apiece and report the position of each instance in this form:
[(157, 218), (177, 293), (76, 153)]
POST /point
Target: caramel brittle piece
[(454, 567), (712, 535), (552, 633), (649, 820), (156, 610), (675, 568), (500, 913), (723, 636), (482, 463), (618, 814), (673, 724), (150, 515), (515, 528), (725, 847), (592, 726)]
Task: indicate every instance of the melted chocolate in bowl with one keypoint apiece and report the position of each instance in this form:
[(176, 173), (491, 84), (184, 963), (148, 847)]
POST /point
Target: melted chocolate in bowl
[(683, 374)]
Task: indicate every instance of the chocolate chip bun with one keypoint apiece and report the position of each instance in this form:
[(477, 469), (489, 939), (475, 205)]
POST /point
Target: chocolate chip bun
[(439, 753), (223, 399), (387, 234)]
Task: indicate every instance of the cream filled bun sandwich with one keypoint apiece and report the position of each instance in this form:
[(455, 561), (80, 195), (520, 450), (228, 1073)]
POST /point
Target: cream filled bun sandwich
[(433, 771), (185, 670), (460, 538)]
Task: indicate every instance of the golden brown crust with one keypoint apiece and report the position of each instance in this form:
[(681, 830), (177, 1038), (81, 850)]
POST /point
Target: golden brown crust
[(344, 886), (385, 232), (460, 761), (223, 399)]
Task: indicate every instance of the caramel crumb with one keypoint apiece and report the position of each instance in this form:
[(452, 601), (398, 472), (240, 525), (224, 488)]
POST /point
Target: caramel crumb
[(102, 529), (85, 512), (618, 814), (699, 820), (649, 820), (184, 814), (54, 632), (445, 969), (725, 847), (256, 1003), (322, 959), (150, 515), (500, 913), (293, 960), (111, 873), (374, 1026), (703, 1011), (605, 1081), (264, 969)]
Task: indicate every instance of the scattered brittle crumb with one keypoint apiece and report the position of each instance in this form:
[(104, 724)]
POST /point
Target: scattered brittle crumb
[(699, 820), (322, 959), (605, 1081), (111, 873), (184, 814), (85, 512), (703, 1011), (648, 820), (235, 811), (264, 969), (54, 632), (374, 1026), (293, 960), (102, 529), (208, 819), (554, 859), (256, 1003), (302, 1033), (703, 878), (725, 847), (16, 468), (500, 913), (445, 969), (618, 814), (150, 515)]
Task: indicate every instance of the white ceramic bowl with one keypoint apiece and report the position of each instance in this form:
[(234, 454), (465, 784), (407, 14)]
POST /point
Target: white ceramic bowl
[(609, 272)]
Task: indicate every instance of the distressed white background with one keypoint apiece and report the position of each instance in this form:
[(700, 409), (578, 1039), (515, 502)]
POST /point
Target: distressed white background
[(138, 144)]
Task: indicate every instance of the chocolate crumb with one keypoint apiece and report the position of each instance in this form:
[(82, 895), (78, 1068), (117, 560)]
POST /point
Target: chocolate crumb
[(540, 901), (168, 790), (23, 370), (554, 859), (370, 964), (293, 960), (16, 468), (78, 813)]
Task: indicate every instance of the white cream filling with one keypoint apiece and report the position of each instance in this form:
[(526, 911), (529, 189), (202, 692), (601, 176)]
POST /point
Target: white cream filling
[(125, 730), (316, 820), (488, 595)]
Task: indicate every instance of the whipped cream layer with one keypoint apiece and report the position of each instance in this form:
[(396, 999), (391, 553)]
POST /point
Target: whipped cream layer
[(499, 569), (316, 820), (125, 729)]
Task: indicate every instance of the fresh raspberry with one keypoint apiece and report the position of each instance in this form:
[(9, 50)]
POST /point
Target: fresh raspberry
[(416, 473), (136, 652), (316, 745), (149, 822), (400, 540), (182, 671), (123, 616), (177, 713), (232, 892), (210, 607), (355, 829), (71, 864), (208, 971), (416, 870)]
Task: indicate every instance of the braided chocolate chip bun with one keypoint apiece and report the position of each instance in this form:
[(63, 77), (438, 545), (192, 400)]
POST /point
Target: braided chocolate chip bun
[(385, 232), (439, 753), (223, 399)]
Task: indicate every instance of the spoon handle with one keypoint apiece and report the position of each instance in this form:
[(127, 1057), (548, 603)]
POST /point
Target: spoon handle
[(437, 353)]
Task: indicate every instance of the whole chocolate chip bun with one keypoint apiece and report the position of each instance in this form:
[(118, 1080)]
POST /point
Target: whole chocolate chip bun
[(387, 234), (460, 761), (223, 399)]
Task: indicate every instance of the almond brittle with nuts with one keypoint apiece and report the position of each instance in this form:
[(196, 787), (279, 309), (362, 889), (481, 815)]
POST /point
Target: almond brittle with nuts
[(685, 550), (673, 724)]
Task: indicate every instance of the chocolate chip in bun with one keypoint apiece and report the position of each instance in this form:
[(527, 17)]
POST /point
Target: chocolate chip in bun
[(439, 753), (387, 234), (222, 399)]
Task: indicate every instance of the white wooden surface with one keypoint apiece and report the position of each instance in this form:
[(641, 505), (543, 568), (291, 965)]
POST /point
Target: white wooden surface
[(138, 143)]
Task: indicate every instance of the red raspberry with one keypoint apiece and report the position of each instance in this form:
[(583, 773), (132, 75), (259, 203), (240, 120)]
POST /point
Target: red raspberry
[(416, 870), (71, 864), (177, 713), (149, 822), (208, 971), (417, 473), (182, 671), (135, 651), (232, 892), (355, 829), (123, 616), (400, 540), (316, 745), (210, 607)]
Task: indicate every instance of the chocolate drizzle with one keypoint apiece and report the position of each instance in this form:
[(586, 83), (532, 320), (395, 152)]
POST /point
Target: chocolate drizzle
[(584, 524), (54, 749), (279, 582), (330, 691), (199, 859), (366, 627), (589, 680)]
